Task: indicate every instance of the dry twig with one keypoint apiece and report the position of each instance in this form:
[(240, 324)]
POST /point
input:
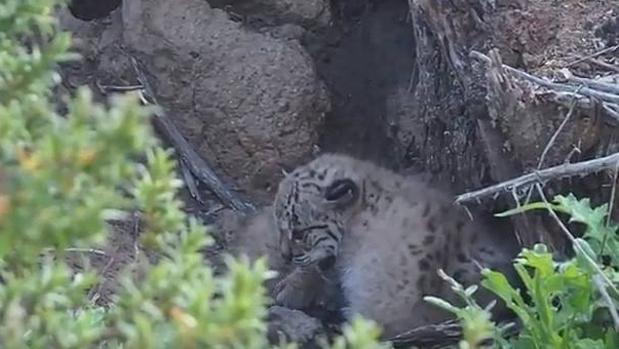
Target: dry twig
[(80, 250), (190, 182), (429, 336), (188, 155), (561, 171), (593, 55), (613, 192), (604, 64), (599, 85), (556, 134), (548, 147), (607, 96)]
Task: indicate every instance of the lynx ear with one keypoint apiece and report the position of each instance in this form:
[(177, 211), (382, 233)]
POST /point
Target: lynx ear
[(342, 192)]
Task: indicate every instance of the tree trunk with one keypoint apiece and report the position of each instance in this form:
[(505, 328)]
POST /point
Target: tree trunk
[(483, 123)]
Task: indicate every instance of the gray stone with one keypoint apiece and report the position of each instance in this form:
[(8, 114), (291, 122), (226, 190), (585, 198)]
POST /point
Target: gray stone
[(248, 102), (292, 325)]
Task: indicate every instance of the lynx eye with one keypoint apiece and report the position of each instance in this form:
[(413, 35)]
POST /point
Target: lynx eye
[(342, 191)]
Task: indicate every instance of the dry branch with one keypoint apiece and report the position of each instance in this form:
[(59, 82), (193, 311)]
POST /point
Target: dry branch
[(194, 162), (607, 97), (441, 335), (600, 85), (191, 182), (566, 170), (429, 336), (596, 54), (606, 93)]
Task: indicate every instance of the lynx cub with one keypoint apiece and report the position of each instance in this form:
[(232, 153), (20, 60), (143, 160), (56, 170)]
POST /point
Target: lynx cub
[(384, 236)]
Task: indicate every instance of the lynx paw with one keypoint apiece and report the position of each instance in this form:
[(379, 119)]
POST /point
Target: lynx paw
[(298, 290)]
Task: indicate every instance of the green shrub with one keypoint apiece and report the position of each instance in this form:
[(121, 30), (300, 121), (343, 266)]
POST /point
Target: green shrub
[(573, 303), (62, 177)]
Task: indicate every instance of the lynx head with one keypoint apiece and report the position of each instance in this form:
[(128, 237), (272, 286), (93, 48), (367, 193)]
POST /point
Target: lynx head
[(313, 205)]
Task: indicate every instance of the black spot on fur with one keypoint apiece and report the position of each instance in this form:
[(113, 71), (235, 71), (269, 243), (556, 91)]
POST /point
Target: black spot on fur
[(424, 265), (429, 239), (375, 184), (373, 209), (414, 249)]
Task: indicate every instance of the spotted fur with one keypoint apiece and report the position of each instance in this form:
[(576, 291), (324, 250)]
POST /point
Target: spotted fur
[(385, 235)]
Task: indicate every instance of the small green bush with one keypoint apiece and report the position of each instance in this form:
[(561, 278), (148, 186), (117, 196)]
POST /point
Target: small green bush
[(573, 303), (62, 177)]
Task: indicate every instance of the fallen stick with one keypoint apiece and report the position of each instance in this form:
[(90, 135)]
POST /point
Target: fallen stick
[(429, 336), (194, 162), (603, 64), (441, 335), (582, 168), (598, 85), (595, 54), (603, 96)]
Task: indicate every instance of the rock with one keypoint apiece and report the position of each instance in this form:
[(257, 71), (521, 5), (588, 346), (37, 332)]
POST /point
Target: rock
[(88, 10), (310, 13), (248, 102), (292, 325)]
